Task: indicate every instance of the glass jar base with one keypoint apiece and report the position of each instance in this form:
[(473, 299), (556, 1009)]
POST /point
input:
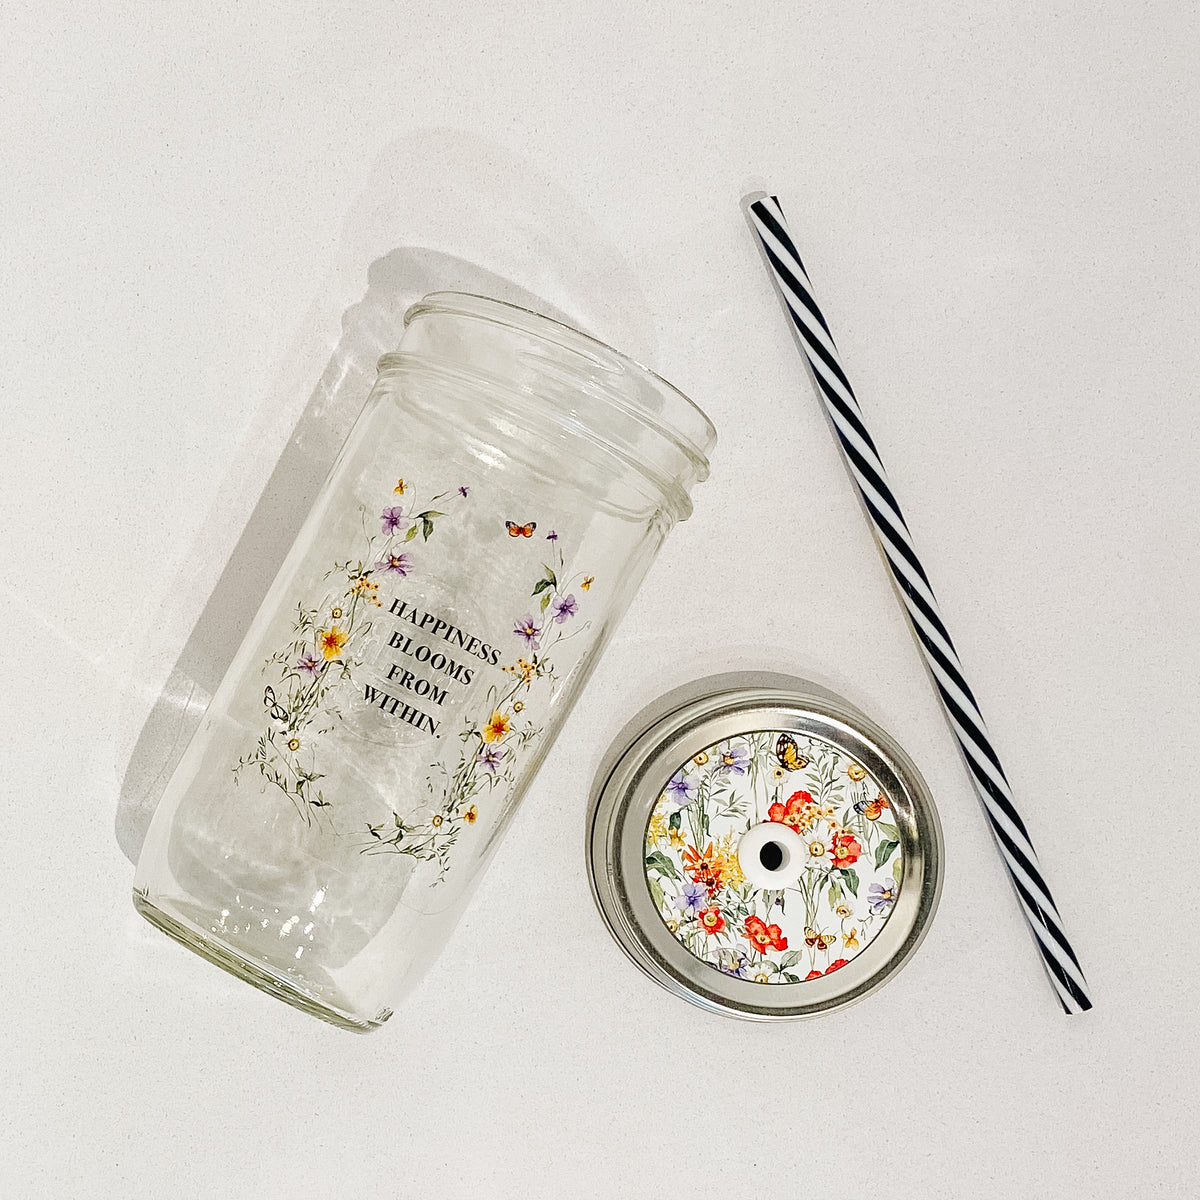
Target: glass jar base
[(256, 974)]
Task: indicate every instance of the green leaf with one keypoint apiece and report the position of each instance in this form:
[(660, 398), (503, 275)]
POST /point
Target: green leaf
[(883, 852), (546, 601), (551, 578), (659, 862), (676, 820), (657, 893), (889, 831), (426, 527), (790, 977), (412, 533), (835, 894), (541, 586), (850, 877), (790, 959), (428, 514)]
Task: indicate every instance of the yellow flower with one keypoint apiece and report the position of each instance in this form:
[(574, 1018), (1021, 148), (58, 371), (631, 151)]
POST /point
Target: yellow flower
[(587, 583), (842, 911), (436, 820), (518, 705), (761, 977), (332, 640), (700, 759), (726, 862), (856, 772), (673, 926), (816, 849), (293, 744), (497, 727), (524, 668), (850, 940), (400, 488), (471, 815), (676, 838), (362, 586), (733, 873), (778, 773), (656, 831)]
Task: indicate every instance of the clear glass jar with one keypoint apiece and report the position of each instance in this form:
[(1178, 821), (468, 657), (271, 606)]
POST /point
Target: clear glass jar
[(486, 524)]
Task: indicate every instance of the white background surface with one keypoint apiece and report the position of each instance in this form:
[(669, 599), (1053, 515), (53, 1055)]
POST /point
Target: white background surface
[(997, 208)]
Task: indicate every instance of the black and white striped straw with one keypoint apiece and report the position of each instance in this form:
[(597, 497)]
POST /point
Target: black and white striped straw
[(912, 585)]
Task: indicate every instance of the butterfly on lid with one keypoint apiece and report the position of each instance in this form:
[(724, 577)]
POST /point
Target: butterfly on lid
[(515, 530), (788, 753), (821, 940), (871, 809)]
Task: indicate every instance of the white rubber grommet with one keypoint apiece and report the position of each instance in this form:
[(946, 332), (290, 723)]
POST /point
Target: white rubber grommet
[(774, 843)]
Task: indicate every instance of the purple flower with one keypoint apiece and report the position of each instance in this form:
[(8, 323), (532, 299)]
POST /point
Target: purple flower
[(733, 960), (392, 519), (680, 791), (527, 628), (490, 758), (401, 564), (692, 899), (552, 536), (310, 664), (882, 896), (462, 491), (564, 607), (734, 758)]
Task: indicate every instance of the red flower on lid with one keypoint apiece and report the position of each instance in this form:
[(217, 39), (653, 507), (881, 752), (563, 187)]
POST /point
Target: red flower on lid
[(845, 849), (836, 965), (764, 937), (711, 920), (791, 813)]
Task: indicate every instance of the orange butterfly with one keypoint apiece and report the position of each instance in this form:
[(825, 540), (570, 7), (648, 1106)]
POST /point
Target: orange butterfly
[(515, 530), (822, 940), (788, 753), (872, 809)]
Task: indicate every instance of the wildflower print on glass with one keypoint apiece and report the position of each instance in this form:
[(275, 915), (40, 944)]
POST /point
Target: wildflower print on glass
[(313, 674), (497, 738), (846, 888)]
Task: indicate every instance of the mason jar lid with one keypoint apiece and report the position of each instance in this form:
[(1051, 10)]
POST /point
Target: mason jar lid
[(759, 847)]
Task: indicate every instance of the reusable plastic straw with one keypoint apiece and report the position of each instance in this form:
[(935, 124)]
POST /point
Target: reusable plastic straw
[(862, 459)]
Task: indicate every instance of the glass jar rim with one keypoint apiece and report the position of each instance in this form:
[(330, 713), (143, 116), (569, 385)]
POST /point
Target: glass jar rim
[(699, 441)]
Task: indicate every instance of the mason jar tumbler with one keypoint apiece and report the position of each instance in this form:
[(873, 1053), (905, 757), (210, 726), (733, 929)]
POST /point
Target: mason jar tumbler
[(487, 522)]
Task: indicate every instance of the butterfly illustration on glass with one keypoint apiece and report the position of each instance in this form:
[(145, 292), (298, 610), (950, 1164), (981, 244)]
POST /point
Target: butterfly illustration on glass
[(517, 531)]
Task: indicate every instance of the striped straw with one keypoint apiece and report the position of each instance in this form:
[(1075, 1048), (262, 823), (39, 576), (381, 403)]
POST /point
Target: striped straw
[(912, 584)]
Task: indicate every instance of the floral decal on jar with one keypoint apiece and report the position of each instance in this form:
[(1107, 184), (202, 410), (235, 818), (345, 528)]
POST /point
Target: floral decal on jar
[(847, 883), (312, 674), (495, 741)]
